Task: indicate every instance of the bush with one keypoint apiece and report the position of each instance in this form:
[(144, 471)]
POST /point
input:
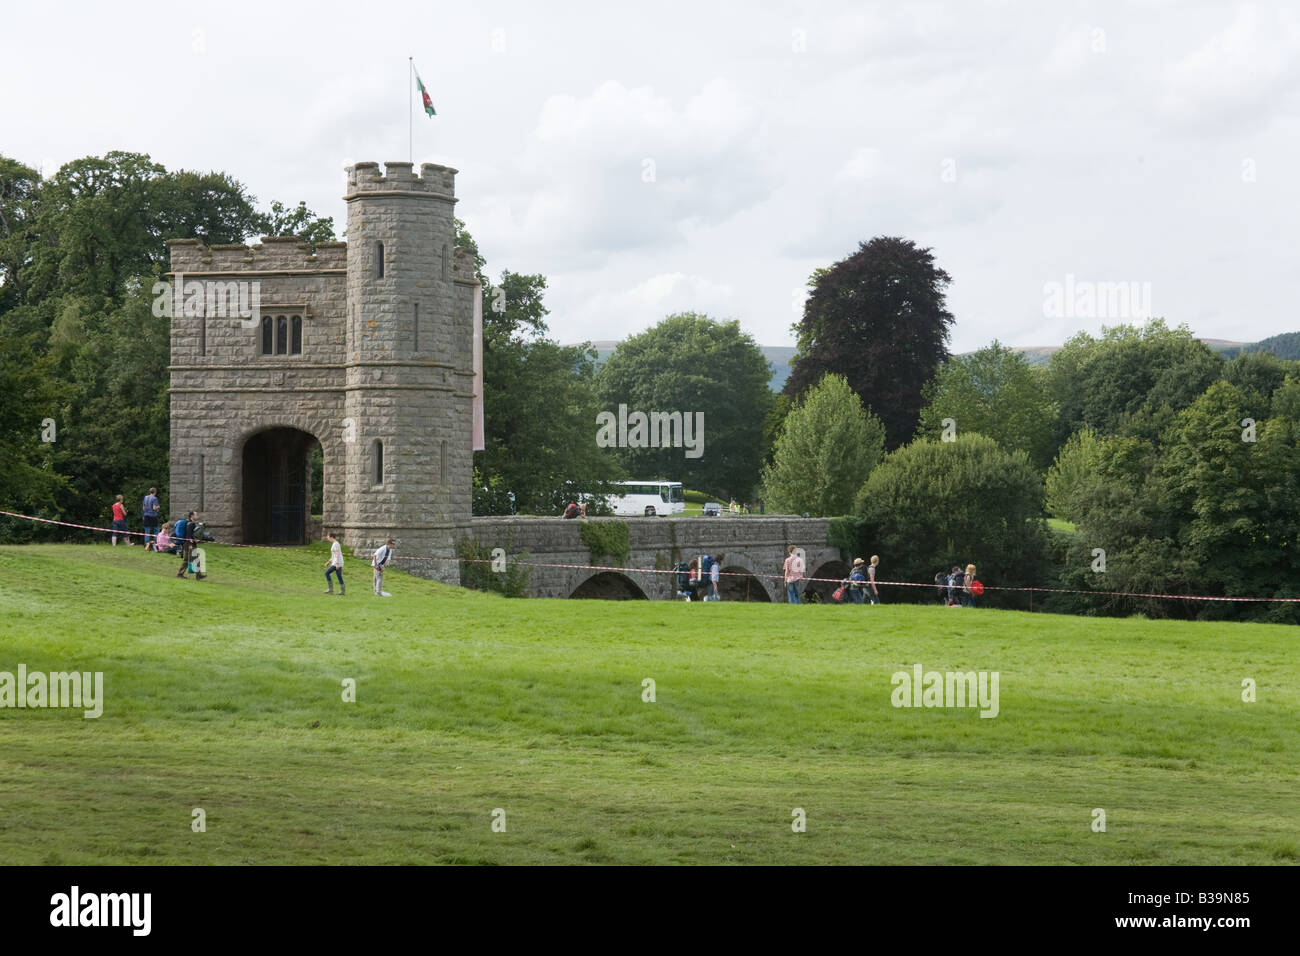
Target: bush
[(930, 505), (606, 538), (476, 571)]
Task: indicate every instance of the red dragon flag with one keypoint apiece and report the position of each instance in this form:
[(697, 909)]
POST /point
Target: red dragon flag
[(428, 103)]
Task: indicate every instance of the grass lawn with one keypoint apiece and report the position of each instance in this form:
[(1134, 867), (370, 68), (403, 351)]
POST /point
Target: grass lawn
[(226, 695)]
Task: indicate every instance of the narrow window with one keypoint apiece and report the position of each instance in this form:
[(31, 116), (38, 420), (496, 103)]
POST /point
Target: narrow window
[(379, 462), (268, 336), (379, 260), (203, 335), (296, 347), (446, 262), (417, 328), (203, 467), (281, 335), (442, 469)]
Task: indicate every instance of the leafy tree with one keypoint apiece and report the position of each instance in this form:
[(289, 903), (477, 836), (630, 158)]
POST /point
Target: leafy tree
[(539, 404), (1072, 473), (690, 363), (932, 504), (1286, 400), (1233, 497), (18, 187), (1258, 375), (826, 450), (103, 220), (996, 393), (1124, 379), (299, 221), (879, 318)]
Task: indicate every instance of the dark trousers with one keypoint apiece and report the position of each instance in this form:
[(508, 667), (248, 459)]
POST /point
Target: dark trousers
[(150, 528), (336, 571), (186, 550)]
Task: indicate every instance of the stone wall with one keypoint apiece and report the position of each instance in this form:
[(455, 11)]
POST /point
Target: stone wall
[(749, 544)]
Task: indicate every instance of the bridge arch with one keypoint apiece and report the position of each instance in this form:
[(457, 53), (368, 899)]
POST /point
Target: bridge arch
[(609, 586), (738, 583), (836, 570)]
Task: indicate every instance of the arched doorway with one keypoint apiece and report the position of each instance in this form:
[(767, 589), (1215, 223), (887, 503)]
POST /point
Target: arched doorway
[(739, 584), (277, 486), (609, 586)]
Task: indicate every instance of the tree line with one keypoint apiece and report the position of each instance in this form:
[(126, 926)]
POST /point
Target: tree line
[(1162, 466)]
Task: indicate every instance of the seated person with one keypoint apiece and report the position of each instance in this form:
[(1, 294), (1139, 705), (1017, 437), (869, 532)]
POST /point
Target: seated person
[(163, 543)]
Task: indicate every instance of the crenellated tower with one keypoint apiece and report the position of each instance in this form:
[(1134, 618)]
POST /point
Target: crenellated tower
[(408, 360)]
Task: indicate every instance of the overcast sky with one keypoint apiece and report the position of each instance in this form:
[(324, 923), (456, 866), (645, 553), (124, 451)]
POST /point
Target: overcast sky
[(656, 157)]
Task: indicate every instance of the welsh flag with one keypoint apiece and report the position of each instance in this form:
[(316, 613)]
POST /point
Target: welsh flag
[(428, 103)]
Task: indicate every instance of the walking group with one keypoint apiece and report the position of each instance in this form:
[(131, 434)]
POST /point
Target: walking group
[(182, 537), (380, 560)]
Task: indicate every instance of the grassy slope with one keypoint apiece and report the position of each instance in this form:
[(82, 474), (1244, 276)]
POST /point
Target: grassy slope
[(468, 703)]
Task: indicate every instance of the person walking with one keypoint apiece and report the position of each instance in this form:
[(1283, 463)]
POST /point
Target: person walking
[(149, 512), (857, 583), (185, 541), (715, 574), (383, 554), (793, 568), (119, 521), (967, 595), (335, 566), (873, 593)]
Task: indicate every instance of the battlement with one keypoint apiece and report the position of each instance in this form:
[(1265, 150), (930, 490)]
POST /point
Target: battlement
[(433, 180), (273, 254), (462, 265)]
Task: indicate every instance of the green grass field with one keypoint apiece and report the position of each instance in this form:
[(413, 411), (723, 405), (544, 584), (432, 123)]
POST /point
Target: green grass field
[(226, 695)]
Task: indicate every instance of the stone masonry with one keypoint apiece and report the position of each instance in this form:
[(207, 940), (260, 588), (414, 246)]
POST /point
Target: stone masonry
[(381, 378), (365, 349)]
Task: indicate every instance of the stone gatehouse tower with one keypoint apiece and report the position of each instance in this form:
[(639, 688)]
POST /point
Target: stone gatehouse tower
[(363, 349)]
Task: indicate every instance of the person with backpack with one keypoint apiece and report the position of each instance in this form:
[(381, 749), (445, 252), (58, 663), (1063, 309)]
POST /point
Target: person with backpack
[(956, 581), (185, 543), (682, 579), (572, 511), (335, 566), (941, 586), (383, 554), (857, 583), (149, 513)]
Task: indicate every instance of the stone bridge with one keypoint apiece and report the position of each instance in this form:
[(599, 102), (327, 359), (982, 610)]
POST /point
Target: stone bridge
[(752, 549)]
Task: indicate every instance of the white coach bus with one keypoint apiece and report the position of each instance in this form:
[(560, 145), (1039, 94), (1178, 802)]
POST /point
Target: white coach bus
[(649, 498)]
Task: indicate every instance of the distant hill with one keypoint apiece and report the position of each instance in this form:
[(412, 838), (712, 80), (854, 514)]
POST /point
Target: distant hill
[(1285, 346)]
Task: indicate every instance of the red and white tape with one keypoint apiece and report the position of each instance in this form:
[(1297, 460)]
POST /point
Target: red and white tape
[(412, 559)]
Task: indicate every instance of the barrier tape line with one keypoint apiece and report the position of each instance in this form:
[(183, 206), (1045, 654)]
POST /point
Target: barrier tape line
[(404, 559)]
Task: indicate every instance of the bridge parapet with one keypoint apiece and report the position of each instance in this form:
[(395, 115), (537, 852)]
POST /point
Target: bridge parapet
[(749, 544)]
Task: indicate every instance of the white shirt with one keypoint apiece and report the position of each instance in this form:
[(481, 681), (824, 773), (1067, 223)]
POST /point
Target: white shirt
[(336, 555), (382, 554)]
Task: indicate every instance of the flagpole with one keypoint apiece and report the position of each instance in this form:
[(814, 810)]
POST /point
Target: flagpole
[(410, 108)]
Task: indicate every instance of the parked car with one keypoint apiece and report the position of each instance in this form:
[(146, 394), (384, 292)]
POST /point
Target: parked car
[(712, 509)]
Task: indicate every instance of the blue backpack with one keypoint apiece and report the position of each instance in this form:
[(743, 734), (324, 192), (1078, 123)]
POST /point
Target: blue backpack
[(181, 530), (706, 565)]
